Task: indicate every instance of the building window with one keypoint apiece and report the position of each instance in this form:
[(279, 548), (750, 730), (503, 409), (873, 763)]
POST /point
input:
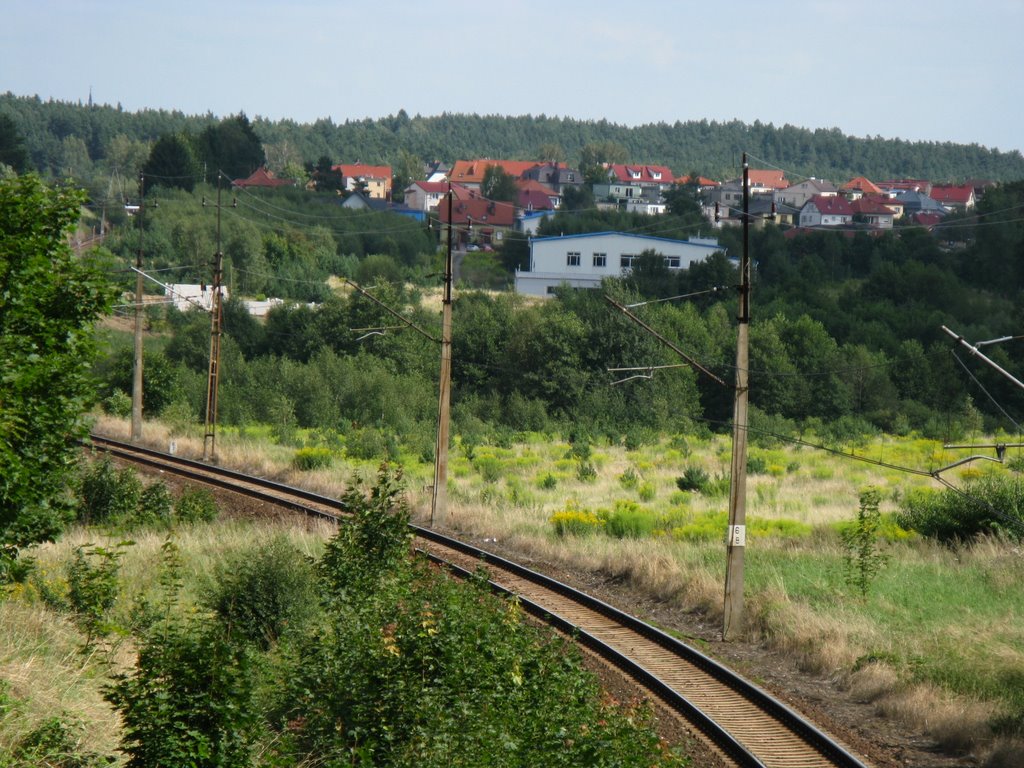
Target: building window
[(572, 259), (626, 260), (600, 259), (672, 262)]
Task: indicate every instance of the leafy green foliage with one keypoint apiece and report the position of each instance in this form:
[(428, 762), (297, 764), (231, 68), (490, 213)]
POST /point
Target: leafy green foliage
[(49, 300), (188, 701), (312, 457), (93, 587), (863, 558), (195, 505), (108, 494), (694, 478), (374, 540), (261, 593), (988, 505)]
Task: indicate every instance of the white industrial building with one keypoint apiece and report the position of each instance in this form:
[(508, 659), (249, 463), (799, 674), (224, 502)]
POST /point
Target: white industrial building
[(582, 261)]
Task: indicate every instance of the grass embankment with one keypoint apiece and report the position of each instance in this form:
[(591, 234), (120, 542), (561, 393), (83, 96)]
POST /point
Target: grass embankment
[(935, 641)]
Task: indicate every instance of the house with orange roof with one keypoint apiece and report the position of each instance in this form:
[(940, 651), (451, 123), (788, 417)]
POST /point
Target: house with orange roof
[(470, 173), (427, 195), (766, 181), (859, 187), (374, 179), (702, 182)]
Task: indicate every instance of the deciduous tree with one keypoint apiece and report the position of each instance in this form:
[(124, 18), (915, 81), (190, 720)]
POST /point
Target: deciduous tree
[(49, 300)]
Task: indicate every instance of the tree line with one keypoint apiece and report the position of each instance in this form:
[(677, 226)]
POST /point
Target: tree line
[(68, 139)]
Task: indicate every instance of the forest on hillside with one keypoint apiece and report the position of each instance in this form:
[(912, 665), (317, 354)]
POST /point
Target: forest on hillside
[(67, 139)]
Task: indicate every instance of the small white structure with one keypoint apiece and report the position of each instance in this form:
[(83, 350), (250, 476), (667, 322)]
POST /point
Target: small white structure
[(186, 296), (582, 261)]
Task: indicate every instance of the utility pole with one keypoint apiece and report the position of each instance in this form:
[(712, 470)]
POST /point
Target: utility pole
[(136, 432), (216, 330), (439, 500), (732, 619)]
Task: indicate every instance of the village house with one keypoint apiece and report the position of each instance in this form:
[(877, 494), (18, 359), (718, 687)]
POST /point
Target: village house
[(374, 180), (798, 194), (583, 261), (870, 212), (957, 198), (826, 211)]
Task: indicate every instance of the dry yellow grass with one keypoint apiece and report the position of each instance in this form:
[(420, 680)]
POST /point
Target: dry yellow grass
[(688, 575)]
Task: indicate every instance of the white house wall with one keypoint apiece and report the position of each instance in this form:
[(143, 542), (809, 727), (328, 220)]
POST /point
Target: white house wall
[(582, 261)]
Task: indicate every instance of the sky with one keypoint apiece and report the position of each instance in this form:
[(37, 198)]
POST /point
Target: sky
[(944, 70)]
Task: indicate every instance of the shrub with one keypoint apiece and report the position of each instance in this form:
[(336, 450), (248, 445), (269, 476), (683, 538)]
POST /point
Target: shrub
[(586, 472), (489, 467), (693, 479), (93, 587), (261, 592), (646, 492), (756, 465), (863, 558), (628, 520), (155, 506), (548, 481), (118, 404), (54, 743), (310, 458), (629, 478), (107, 493), (195, 505), (987, 505), (575, 521)]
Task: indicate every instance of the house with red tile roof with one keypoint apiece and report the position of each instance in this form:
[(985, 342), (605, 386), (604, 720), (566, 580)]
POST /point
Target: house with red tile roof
[(477, 220), (531, 191), (376, 179), (261, 177), (822, 211), (954, 197), (641, 175), (427, 195), (859, 187), (894, 204), (869, 211)]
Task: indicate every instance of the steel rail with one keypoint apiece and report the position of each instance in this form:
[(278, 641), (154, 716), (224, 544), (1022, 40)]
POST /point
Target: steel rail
[(741, 752)]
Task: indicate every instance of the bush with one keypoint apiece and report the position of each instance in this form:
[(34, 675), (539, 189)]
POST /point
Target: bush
[(586, 472), (308, 459), (107, 493), (262, 592), (988, 505), (548, 482), (646, 492), (118, 404), (693, 479), (155, 506), (628, 520), (629, 478), (575, 521), (93, 587), (195, 505)]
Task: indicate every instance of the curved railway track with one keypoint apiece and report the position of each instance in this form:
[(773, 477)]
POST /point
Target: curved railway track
[(743, 723)]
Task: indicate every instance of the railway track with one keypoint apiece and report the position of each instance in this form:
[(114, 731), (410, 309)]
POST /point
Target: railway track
[(742, 722)]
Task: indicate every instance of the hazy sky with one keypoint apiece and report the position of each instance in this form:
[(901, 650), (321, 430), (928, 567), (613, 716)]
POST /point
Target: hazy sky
[(943, 70)]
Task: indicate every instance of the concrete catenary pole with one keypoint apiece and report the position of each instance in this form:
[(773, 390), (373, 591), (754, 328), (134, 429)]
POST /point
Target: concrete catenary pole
[(439, 501), (216, 330), (732, 619), (136, 428)]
